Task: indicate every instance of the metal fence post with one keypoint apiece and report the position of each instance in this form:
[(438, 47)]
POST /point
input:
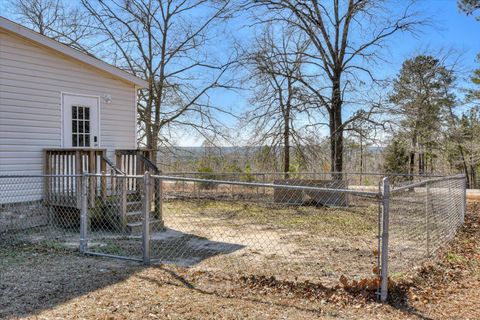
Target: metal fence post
[(183, 185), (124, 194), (427, 229), (146, 218), (385, 225), (464, 211), (264, 181), (83, 212)]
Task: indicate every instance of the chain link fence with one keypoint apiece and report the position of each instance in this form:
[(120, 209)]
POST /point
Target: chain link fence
[(31, 212), (315, 230), (296, 227), (423, 217)]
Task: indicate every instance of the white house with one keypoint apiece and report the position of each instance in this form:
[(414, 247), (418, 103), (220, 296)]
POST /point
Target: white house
[(59, 105)]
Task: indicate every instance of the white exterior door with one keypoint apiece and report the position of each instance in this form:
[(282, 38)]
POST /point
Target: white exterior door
[(81, 123)]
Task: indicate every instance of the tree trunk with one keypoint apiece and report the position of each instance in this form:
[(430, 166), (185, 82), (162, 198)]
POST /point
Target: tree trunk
[(473, 178), (412, 155), (336, 132), (430, 159), (361, 159), (465, 167), (152, 141), (421, 159), (286, 152)]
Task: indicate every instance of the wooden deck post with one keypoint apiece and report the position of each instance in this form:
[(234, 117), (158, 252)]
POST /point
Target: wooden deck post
[(103, 169), (139, 167), (78, 171), (46, 181), (118, 161), (54, 171), (92, 181)]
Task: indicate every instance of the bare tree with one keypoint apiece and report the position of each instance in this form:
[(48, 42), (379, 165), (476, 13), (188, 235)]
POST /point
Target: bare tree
[(56, 20), (278, 102), (169, 43), (346, 37), (469, 6), (360, 136)]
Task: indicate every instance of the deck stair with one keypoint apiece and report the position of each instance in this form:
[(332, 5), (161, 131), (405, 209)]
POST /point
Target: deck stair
[(134, 218)]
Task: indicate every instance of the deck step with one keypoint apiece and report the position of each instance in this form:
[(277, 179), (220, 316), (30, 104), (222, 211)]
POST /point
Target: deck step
[(134, 206), (134, 196), (134, 216), (137, 227)]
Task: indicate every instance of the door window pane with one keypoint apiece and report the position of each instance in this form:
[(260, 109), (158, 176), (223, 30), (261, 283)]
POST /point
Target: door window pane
[(80, 126), (75, 140)]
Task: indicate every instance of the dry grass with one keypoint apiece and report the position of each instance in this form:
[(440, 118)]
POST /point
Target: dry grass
[(48, 282), (355, 221), (52, 284), (291, 242)]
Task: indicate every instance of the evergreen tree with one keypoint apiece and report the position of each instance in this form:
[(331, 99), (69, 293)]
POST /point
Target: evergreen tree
[(396, 156), (423, 99)]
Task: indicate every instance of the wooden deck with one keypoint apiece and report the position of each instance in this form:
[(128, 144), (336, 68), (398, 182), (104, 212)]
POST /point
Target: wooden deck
[(64, 168)]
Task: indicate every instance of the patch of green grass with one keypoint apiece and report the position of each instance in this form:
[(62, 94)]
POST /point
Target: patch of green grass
[(10, 255), (397, 275), (52, 245), (334, 221), (454, 258), (21, 252), (14, 260), (110, 247)]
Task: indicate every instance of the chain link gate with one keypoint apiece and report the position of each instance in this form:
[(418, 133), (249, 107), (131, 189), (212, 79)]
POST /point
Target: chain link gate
[(116, 225)]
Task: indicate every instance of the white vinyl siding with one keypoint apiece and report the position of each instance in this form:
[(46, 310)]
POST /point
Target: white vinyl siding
[(32, 78)]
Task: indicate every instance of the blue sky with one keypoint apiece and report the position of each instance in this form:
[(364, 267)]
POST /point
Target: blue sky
[(450, 31)]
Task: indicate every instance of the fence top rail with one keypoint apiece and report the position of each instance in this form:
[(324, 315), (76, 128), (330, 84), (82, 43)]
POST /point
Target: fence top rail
[(424, 182), (267, 185)]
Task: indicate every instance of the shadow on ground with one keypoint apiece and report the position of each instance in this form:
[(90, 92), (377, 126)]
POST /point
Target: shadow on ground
[(36, 277), (186, 250)]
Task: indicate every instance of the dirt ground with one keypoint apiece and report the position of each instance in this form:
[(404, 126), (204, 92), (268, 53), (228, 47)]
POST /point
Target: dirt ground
[(49, 282), (291, 242)]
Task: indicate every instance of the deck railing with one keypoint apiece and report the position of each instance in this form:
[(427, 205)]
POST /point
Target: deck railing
[(64, 165), (130, 161), (63, 162), (137, 162)]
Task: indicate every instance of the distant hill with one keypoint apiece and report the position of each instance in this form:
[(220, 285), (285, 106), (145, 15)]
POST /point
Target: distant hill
[(191, 153)]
